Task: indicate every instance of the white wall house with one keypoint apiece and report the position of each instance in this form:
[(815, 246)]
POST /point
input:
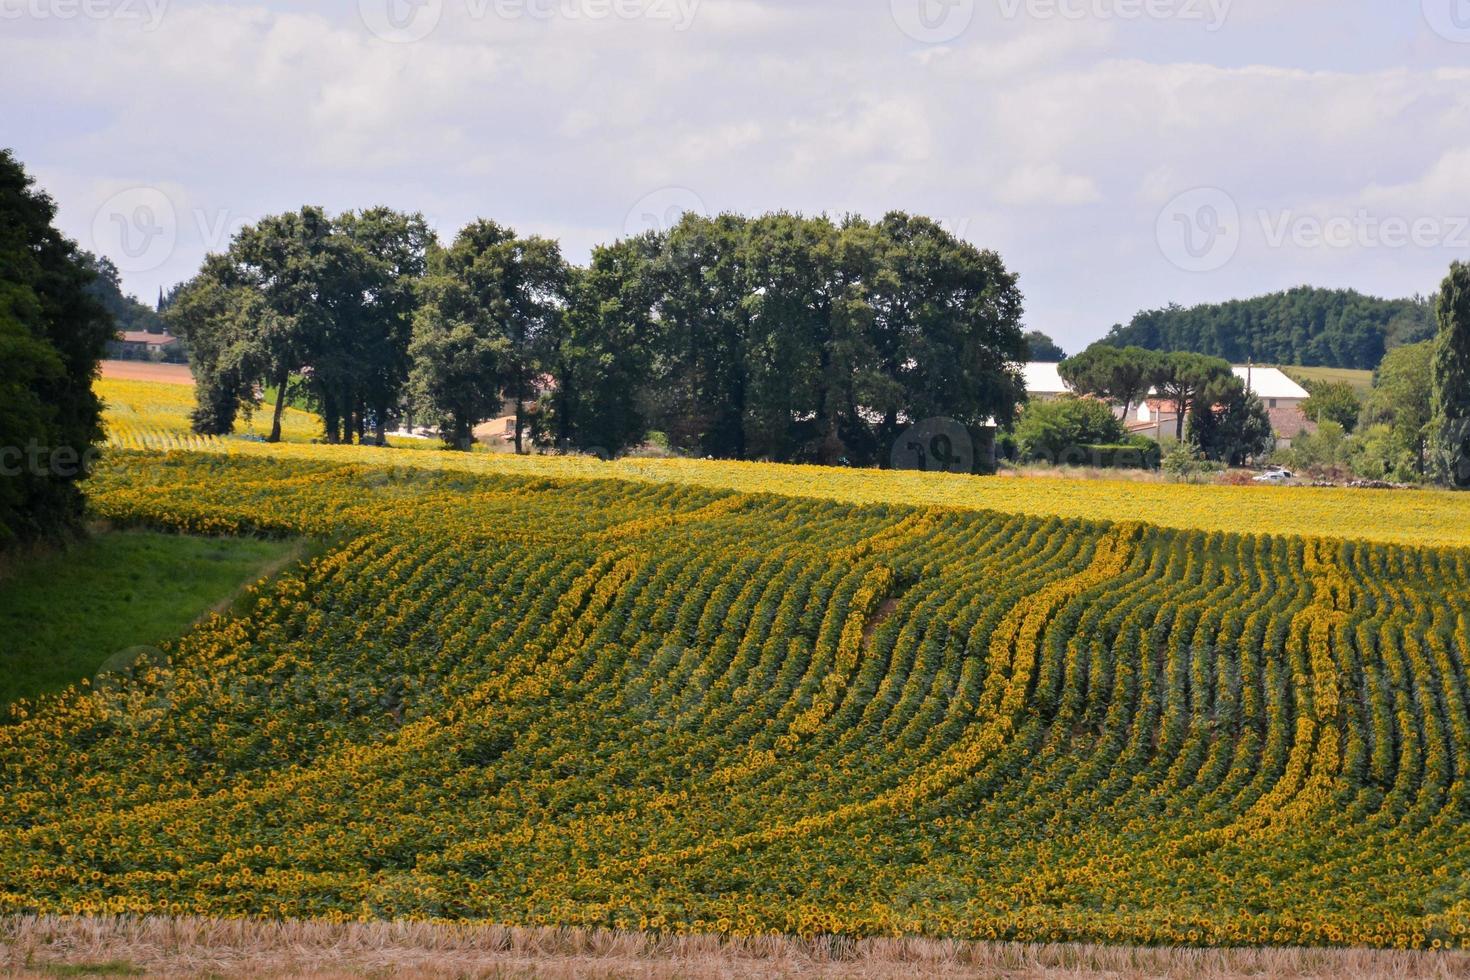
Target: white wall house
[(1155, 417), (1043, 381)]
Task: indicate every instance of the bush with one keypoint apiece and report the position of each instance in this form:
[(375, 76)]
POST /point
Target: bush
[(1185, 462), (1061, 431)]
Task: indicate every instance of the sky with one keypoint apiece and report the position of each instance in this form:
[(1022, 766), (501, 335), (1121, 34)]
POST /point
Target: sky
[(1119, 154)]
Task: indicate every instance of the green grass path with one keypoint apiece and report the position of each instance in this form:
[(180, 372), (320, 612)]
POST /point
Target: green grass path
[(64, 614)]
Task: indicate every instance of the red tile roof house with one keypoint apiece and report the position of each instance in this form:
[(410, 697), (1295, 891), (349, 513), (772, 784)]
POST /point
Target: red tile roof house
[(1155, 418), (1282, 397), (139, 345)]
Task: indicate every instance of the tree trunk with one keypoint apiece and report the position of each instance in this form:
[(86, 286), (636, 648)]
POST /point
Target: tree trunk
[(520, 415), (282, 378)]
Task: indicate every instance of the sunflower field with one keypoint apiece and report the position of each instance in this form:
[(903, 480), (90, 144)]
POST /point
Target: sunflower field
[(533, 699)]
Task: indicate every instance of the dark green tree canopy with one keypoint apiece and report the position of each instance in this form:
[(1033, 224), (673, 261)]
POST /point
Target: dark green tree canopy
[(304, 296), (1231, 426), (1042, 348), (1327, 327), (53, 332), (1118, 375), (1451, 388)]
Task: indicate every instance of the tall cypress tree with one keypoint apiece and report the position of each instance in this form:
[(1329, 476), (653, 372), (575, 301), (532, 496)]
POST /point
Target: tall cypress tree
[(1452, 377)]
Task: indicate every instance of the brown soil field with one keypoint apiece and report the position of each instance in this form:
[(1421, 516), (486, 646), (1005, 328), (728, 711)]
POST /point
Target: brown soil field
[(171, 374)]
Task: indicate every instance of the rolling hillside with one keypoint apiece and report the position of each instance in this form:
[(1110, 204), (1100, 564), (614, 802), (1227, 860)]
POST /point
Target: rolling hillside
[(684, 709)]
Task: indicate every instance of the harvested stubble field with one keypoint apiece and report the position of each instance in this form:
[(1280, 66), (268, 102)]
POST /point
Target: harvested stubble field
[(322, 951)]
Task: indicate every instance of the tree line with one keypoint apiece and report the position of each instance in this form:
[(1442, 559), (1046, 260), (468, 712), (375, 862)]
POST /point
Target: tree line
[(781, 337), (1312, 327), (1414, 425)]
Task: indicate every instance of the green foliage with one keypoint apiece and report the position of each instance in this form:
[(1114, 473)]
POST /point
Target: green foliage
[(1326, 452), (490, 305), (780, 337), (1059, 431), (1191, 381), (1231, 425), (1334, 328), (1451, 386), (302, 294), (1334, 401), (787, 338), (1118, 375), (1042, 348), (1186, 463), (1402, 399), (600, 354), (53, 333), (1379, 455)]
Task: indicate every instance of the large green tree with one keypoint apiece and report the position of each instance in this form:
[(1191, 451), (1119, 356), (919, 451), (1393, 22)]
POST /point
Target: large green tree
[(946, 327), (303, 296), (1189, 380), (1118, 375), (1451, 392), (53, 333), (510, 290), (1403, 400), (1333, 401), (1042, 348), (493, 301), (373, 322), (1232, 426), (600, 353)]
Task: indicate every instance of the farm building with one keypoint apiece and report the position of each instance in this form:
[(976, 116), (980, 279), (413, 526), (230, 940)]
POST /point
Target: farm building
[(1156, 417), (140, 345)]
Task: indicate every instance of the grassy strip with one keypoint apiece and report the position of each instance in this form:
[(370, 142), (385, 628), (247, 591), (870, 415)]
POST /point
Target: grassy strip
[(63, 614)]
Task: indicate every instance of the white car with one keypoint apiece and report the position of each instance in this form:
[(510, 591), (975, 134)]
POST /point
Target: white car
[(1276, 475)]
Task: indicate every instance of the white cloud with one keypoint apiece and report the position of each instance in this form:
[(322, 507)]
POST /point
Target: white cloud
[(559, 127)]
